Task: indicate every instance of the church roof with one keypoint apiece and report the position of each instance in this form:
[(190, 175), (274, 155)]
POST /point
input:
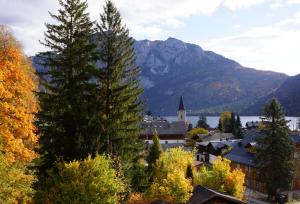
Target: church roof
[(181, 105)]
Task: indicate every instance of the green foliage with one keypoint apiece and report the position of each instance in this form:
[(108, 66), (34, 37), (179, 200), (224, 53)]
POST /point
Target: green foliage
[(220, 125), (232, 123), (189, 172), (140, 177), (170, 183), (15, 182), (154, 153), (87, 181), (66, 94), (119, 110), (196, 131), (275, 150), (238, 128), (221, 178), (202, 122)]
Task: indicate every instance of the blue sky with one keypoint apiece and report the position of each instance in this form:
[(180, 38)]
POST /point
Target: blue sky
[(262, 34)]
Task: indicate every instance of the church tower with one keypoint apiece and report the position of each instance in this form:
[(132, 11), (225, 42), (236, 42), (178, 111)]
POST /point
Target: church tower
[(181, 111)]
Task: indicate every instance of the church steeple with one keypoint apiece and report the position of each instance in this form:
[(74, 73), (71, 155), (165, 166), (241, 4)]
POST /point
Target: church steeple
[(181, 104), (181, 111)]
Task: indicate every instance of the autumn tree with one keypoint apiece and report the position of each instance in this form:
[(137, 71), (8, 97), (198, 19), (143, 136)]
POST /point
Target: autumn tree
[(221, 178), (18, 103), (18, 106), (88, 181), (120, 111), (225, 122), (275, 150), (170, 183), (67, 89)]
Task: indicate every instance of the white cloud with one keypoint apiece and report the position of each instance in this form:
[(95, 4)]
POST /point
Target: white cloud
[(146, 19), (269, 48), (293, 1), (239, 4), (272, 47), (276, 5)]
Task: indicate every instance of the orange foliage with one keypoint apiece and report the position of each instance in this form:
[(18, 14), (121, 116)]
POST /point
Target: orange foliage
[(137, 198), (18, 104)]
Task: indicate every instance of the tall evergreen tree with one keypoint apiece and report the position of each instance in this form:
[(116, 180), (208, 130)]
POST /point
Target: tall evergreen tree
[(232, 123), (189, 172), (220, 125), (202, 122), (118, 88), (65, 99), (154, 153), (238, 127), (275, 150)]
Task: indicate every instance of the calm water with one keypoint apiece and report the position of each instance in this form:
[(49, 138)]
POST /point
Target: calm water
[(214, 120)]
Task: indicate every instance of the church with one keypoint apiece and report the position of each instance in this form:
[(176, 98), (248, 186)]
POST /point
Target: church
[(171, 134)]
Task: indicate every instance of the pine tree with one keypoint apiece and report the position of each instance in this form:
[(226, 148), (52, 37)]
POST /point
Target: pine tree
[(66, 95), (202, 122), (238, 127), (154, 153), (275, 150), (189, 172), (118, 89), (220, 125), (232, 123)]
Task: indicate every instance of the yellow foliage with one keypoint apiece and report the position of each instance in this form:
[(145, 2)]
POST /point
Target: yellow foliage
[(170, 183), (196, 131), (234, 183), (18, 103), (221, 178)]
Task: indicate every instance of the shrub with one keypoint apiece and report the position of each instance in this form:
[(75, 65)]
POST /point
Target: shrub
[(87, 181)]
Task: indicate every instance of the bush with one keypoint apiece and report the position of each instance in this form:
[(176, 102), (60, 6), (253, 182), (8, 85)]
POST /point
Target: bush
[(170, 183), (221, 178), (196, 131), (87, 181), (138, 198)]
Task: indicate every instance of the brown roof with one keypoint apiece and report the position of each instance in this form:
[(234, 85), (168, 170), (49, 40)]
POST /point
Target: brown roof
[(202, 195), (164, 128)]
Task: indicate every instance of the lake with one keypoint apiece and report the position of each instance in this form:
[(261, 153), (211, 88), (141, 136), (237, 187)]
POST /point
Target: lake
[(214, 120)]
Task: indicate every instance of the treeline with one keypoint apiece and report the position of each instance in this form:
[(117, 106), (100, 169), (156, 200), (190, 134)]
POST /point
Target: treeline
[(230, 123)]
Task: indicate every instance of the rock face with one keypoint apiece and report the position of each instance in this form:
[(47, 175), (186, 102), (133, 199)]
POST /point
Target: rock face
[(209, 82), (288, 95)]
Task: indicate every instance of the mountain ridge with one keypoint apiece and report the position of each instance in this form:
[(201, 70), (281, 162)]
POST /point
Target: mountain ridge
[(172, 68), (209, 82)]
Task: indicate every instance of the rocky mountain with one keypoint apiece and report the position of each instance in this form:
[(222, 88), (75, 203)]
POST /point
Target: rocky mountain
[(209, 82), (288, 95)]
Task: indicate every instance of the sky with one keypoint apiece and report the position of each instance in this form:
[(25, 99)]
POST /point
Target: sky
[(261, 34)]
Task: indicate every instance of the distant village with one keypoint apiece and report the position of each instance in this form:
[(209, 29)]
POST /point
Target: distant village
[(240, 151)]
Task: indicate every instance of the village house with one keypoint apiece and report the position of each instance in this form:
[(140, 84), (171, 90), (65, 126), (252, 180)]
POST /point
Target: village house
[(171, 134), (242, 156)]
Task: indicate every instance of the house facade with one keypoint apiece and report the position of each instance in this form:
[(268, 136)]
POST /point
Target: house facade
[(242, 156)]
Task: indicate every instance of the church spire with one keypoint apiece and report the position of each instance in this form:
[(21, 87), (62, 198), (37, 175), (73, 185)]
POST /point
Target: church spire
[(181, 104), (181, 111)]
